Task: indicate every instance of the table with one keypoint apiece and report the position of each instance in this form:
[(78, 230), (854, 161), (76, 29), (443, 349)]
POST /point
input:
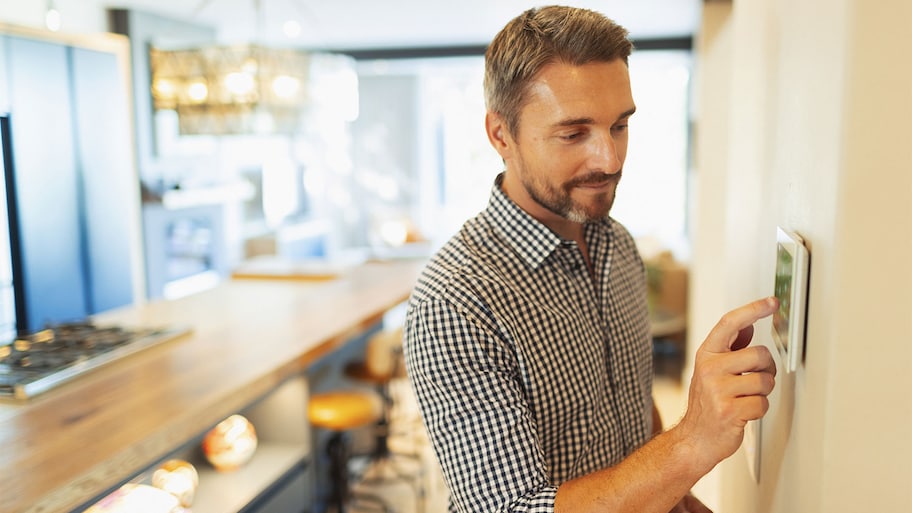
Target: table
[(67, 446)]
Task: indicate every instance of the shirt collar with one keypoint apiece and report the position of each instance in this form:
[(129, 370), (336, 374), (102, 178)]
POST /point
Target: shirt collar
[(531, 239)]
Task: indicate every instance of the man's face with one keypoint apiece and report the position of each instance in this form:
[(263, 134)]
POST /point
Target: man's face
[(566, 160)]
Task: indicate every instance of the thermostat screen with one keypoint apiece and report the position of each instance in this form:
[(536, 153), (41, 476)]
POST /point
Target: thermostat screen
[(783, 292)]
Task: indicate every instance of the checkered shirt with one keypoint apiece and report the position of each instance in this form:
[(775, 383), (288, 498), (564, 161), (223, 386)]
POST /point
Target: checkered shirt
[(528, 372)]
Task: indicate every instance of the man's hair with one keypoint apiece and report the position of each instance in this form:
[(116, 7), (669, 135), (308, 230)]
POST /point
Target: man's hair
[(538, 37)]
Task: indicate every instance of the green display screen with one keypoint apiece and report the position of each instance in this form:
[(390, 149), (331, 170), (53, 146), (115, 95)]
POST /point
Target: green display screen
[(783, 292)]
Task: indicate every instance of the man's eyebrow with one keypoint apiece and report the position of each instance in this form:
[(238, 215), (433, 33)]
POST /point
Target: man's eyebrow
[(589, 121), (627, 113), (574, 122)]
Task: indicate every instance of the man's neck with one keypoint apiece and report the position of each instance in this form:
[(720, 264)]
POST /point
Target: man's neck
[(563, 227)]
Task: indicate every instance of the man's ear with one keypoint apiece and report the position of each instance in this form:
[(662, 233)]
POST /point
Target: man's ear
[(498, 134)]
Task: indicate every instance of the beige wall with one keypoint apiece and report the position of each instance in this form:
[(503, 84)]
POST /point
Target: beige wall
[(803, 120)]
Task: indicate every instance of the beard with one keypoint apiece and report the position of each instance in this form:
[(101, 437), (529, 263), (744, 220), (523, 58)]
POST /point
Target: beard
[(558, 200)]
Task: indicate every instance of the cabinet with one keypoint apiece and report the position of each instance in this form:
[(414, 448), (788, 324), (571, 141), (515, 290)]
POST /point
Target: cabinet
[(184, 249), (76, 187), (110, 186), (4, 87), (279, 476), (46, 181)]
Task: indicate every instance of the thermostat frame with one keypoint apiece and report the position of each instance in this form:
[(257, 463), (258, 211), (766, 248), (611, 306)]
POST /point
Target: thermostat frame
[(790, 288)]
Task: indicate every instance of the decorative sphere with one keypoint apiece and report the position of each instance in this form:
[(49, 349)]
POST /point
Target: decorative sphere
[(179, 478), (230, 444)]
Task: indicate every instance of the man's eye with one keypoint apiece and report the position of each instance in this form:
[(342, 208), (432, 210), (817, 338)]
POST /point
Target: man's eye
[(571, 136)]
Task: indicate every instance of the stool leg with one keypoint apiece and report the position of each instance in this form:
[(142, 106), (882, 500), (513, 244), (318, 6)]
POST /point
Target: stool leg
[(337, 449), (381, 448), (340, 495), (383, 466)]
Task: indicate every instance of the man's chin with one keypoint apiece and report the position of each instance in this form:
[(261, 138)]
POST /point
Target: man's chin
[(598, 212), (583, 217)]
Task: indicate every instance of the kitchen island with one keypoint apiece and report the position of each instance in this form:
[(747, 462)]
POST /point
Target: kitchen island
[(63, 449)]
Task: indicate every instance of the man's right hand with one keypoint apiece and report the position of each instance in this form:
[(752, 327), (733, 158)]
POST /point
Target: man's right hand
[(730, 384), (729, 388)]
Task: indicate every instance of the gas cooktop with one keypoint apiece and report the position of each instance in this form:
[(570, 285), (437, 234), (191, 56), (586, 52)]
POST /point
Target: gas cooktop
[(37, 362)]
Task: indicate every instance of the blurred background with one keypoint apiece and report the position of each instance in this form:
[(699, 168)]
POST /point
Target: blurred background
[(382, 153)]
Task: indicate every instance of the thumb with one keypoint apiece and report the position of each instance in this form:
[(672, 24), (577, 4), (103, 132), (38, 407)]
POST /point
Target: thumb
[(735, 329)]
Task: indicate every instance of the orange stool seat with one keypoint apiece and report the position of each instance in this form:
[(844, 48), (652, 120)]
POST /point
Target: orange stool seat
[(344, 410), (341, 411)]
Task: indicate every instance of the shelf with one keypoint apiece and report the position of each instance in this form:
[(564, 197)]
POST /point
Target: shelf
[(230, 492), (211, 195), (275, 475)]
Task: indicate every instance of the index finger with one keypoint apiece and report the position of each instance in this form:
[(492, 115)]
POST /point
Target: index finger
[(725, 332)]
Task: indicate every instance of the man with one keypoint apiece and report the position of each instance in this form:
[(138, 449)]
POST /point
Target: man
[(527, 336)]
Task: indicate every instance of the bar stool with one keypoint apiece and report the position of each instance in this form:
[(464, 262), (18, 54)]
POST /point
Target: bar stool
[(341, 412), (383, 363)]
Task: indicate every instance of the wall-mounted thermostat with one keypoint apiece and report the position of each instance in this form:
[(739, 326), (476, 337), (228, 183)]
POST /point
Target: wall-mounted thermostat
[(792, 269)]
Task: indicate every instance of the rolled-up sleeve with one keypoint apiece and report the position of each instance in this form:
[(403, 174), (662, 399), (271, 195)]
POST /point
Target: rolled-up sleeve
[(466, 378)]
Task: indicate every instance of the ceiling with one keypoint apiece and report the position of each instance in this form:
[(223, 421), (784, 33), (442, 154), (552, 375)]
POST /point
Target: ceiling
[(365, 24)]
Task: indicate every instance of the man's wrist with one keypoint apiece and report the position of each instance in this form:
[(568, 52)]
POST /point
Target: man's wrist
[(689, 458)]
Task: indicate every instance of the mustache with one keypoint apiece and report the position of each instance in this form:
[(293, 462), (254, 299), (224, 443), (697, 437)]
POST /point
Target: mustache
[(594, 178)]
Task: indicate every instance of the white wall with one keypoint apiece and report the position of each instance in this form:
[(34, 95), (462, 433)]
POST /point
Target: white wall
[(802, 122), (875, 242), (79, 16)]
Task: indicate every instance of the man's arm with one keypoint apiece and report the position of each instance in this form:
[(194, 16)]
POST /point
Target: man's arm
[(690, 503), (474, 407), (728, 389)]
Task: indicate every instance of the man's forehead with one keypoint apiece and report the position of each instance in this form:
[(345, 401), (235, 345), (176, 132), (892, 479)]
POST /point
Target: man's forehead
[(565, 90)]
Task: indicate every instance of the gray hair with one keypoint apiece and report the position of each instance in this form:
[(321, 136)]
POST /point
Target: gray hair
[(538, 37)]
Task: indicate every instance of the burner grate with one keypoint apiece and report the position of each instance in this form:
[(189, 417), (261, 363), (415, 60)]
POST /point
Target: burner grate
[(40, 361)]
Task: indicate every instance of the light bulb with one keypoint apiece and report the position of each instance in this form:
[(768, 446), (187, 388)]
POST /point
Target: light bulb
[(164, 88), (239, 83), (292, 29), (52, 19), (198, 91), (285, 87)]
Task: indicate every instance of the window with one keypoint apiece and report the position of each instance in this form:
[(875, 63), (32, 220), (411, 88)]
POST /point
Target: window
[(442, 149)]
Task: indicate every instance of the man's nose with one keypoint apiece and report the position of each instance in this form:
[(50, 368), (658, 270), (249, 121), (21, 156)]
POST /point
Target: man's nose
[(604, 155)]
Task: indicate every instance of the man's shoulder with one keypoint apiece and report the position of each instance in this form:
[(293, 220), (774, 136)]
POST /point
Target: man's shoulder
[(622, 238), (471, 255)]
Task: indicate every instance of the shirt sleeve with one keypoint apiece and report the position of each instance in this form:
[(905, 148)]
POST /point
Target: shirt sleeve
[(468, 385)]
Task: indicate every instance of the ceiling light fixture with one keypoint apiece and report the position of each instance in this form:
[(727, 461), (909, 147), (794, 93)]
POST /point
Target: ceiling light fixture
[(237, 89), (234, 89), (52, 17)]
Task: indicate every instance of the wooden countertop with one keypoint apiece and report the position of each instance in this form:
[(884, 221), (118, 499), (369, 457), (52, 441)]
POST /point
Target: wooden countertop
[(66, 446)]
